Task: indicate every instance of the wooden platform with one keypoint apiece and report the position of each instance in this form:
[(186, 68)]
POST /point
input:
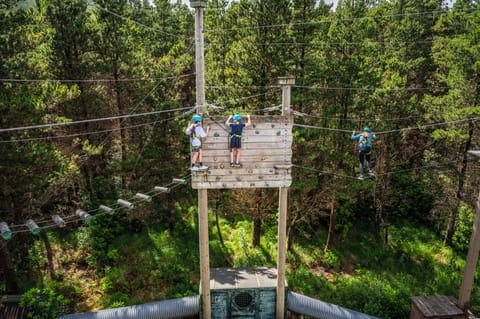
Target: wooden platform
[(435, 307), (266, 155), (10, 309)]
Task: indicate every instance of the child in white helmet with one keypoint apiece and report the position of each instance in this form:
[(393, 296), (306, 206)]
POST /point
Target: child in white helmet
[(235, 141), (196, 132), (364, 146)]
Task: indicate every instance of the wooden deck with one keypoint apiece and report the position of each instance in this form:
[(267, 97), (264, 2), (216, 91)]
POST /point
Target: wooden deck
[(12, 311), (435, 307), (266, 155)]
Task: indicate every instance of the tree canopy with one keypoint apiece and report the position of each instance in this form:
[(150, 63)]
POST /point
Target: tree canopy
[(95, 96)]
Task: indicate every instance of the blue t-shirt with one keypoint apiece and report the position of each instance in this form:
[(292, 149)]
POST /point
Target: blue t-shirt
[(236, 129), (364, 143)]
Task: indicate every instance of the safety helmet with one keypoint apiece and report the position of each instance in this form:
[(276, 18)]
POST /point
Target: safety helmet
[(237, 117), (367, 129), (196, 118)]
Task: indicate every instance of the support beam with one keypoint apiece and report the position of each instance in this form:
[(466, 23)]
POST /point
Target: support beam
[(286, 83), (199, 54), (204, 253), (199, 6), (472, 256), (282, 246)]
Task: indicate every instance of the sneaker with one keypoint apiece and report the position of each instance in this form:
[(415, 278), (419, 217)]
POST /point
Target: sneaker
[(232, 164), (371, 172), (195, 167), (237, 165), (360, 177), (203, 166)]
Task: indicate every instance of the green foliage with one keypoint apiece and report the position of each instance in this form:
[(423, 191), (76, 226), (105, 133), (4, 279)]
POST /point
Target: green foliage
[(44, 303), (103, 230), (410, 199), (374, 295), (376, 63), (344, 219), (309, 284), (330, 259), (36, 255), (463, 233)]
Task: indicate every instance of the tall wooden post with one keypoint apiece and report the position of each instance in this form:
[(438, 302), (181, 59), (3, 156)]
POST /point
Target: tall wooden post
[(202, 193), (286, 83), (472, 256), (204, 253), (199, 54), (282, 241)]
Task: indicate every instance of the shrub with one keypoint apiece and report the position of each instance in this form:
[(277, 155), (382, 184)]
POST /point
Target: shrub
[(44, 303), (463, 232)]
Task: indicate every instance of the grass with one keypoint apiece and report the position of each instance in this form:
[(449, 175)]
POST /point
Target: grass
[(358, 272)]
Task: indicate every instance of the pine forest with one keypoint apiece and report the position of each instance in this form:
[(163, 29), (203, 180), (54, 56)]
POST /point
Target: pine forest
[(95, 99)]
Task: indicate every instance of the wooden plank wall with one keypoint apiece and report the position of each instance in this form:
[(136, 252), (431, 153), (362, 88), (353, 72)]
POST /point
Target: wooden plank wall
[(266, 155)]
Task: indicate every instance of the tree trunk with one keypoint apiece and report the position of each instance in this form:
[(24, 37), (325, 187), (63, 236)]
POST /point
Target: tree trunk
[(291, 230), (459, 196), (257, 222), (217, 221), (48, 251), (331, 225), (8, 269)]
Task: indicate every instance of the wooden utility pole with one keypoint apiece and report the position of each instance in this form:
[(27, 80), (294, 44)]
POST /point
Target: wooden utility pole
[(286, 83), (202, 193), (472, 256), (199, 54)]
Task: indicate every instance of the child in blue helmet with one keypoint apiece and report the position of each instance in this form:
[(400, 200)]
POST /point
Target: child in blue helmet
[(235, 141), (364, 146), (196, 132)]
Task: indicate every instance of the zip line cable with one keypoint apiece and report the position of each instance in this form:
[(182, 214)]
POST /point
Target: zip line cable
[(333, 88), (26, 128), (438, 165), (376, 120), (396, 15), (90, 132), (318, 44), (51, 125), (91, 2), (240, 87), (92, 80), (395, 130)]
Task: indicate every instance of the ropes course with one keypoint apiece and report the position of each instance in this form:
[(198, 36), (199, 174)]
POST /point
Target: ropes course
[(81, 215)]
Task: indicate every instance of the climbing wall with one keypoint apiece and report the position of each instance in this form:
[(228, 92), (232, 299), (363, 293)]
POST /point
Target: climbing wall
[(266, 156)]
